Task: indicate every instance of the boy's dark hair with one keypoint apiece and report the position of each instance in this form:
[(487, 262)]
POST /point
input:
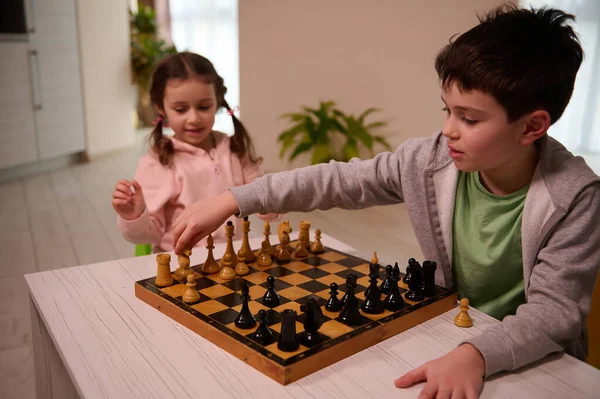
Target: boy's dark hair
[(185, 66), (527, 59)]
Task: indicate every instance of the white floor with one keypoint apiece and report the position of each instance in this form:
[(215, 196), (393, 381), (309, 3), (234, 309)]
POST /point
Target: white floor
[(64, 218)]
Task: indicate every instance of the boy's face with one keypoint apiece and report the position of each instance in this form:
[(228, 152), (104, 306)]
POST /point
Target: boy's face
[(480, 138)]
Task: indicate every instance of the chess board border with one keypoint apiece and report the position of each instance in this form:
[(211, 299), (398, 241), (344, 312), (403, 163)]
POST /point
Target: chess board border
[(313, 359)]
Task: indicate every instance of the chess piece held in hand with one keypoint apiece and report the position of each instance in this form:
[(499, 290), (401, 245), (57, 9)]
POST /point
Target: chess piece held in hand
[(183, 261), (463, 319)]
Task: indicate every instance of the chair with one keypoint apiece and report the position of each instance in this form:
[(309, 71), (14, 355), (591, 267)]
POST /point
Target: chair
[(143, 249)]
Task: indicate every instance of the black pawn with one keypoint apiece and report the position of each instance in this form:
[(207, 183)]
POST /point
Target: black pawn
[(287, 339), (245, 319), (373, 303), (409, 269), (333, 303), (271, 298), (345, 297), (429, 268), (415, 284), (386, 286), (350, 314), (263, 334), (313, 320), (394, 302)]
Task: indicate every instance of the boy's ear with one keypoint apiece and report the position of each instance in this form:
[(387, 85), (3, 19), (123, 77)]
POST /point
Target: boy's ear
[(536, 125)]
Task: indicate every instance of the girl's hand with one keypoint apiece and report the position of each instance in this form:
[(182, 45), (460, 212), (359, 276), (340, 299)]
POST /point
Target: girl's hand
[(129, 205), (202, 218), (459, 374)]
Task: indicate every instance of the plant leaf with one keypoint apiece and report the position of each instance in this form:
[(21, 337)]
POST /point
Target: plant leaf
[(320, 154), (383, 142), (350, 150), (302, 147), (375, 125), (368, 111)]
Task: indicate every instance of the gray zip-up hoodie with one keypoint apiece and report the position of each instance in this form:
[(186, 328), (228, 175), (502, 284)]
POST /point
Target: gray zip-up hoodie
[(560, 232)]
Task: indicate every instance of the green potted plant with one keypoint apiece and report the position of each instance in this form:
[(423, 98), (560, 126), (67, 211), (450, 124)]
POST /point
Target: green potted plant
[(146, 49), (330, 134)]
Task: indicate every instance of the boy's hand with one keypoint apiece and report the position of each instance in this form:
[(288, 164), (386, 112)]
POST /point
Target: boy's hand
[(202, 218), (271, 217), (127, 204), (459, 374)]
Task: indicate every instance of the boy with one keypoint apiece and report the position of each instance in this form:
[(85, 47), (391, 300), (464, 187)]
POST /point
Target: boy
[(509, 215)]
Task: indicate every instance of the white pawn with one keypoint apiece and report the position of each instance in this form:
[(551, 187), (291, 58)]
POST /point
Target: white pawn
[(463, 319), (191, 294)]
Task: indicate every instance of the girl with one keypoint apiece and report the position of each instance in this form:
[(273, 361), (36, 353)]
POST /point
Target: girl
[(196, 163)]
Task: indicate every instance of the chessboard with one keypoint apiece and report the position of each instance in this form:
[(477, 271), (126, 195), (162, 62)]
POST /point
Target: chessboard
[(298, 282)]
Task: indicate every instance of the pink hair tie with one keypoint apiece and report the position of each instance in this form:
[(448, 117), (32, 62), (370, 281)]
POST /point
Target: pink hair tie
[(232, 111), (158, 120)]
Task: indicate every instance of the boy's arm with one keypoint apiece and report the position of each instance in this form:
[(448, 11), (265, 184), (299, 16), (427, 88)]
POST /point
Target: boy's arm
[(559, 294), (353, 185), (158, 185)]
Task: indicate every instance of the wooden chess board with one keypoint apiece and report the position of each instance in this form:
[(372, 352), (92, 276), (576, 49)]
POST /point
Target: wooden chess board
[(296, 282)]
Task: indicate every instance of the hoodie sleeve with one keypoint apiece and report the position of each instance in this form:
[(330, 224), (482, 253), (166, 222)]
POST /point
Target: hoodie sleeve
[(353, 185), (159, 187), (559, 295)]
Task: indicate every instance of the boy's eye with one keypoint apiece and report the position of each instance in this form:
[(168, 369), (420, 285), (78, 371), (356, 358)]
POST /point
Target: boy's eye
[(446, 110), (469, 121)]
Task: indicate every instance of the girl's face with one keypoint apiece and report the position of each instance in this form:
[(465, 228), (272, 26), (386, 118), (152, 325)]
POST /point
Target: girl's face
[(190, 106)]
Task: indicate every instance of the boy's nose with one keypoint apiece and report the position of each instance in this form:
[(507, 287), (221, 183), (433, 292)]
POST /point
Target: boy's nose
[(449, 130)]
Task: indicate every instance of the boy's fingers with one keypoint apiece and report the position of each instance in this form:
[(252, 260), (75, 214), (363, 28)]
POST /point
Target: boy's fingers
[(411, 378), (119, 202), (429, 391)]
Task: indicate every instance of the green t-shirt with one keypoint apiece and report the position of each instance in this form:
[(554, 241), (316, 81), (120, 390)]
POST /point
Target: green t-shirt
[(487, 259)]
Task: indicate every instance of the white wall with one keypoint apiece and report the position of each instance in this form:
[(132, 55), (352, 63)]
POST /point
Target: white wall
[(110, 97), (359, 54)]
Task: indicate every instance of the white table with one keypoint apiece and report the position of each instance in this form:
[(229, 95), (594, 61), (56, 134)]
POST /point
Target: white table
[(94, 339)]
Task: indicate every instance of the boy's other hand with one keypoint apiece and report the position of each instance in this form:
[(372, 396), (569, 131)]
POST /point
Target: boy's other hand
[(459, 374), (129, 205), (202, 218)]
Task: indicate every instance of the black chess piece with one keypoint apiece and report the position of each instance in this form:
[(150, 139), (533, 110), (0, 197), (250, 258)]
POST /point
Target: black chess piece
[(333, 303), (271, 298), (287, 340), (263, 334), (429, 268), (345, 297), (312, 322), (245, 319), (394, 301), (350, 314), (409, 269), (385, 287), (373, 303), (415, 284)]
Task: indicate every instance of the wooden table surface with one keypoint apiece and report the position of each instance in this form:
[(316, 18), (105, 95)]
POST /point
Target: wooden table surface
[(88, 323)]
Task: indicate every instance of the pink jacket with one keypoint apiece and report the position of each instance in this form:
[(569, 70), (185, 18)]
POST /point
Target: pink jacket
[(192, 175)]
